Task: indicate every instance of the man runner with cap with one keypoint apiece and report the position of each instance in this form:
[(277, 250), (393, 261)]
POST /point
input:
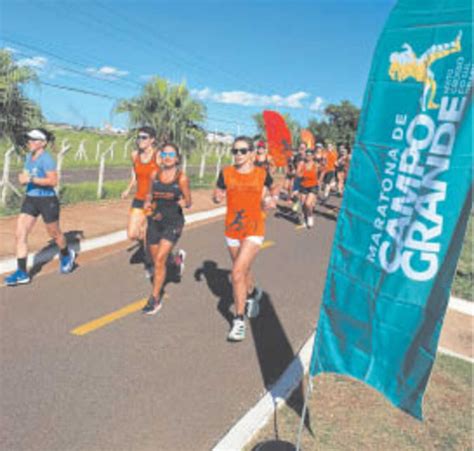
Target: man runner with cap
[(247, 187), (40, 177)]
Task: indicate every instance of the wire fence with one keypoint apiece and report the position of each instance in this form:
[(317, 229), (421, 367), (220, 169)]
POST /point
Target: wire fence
[(108, 162)]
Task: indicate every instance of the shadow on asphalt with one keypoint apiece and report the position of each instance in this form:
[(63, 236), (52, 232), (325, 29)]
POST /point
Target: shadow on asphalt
[(141, 257), (287, 213), (275, 354), (47, 253), (274, 350), (218, 281)]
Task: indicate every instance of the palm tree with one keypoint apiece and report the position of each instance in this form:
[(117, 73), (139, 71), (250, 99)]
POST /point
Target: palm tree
[(168, 108), (18, 112)]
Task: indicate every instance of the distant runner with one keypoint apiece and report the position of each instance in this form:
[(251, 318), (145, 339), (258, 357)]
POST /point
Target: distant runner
[(169, 194), (40, 177), (329, 171), (308, 172), (341, 166), (263, 159), (247, 187)]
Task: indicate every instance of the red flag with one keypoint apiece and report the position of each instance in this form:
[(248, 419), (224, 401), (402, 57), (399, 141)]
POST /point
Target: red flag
[(278, 137)]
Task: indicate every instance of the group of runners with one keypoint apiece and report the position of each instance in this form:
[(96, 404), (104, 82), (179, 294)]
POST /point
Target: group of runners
[(312, 174), (162, 191)]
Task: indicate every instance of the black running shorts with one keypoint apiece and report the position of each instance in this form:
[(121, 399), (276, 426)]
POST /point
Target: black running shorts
[(329, 177), (137, 204), (47, 207), (308, 190), (162, 230)]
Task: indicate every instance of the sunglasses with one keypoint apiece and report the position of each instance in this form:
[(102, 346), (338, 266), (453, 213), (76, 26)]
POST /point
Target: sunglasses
[(241, 150), (170, 154), (142, 137)]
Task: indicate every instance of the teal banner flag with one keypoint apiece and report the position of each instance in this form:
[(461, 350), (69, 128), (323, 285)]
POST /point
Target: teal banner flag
[(406, 205)]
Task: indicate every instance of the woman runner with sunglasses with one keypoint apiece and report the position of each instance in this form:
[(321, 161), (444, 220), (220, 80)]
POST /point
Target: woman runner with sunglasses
[(169, 194), (40, 177), (247, 188), (145, 162)]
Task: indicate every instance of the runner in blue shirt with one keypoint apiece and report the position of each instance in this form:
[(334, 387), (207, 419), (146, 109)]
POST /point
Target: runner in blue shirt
[(40, 177)]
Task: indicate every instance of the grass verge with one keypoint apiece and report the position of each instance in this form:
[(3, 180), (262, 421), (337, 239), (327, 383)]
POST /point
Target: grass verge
[(346, 414)]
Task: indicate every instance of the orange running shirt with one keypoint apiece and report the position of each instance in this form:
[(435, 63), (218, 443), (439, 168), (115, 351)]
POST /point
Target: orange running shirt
[(309, 179), (143, 173), (331, 159), (245, 216)]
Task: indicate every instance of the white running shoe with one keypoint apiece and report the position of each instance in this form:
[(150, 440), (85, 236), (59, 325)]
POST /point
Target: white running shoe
[(237, 333), (180, 261), (252, 306), (310, 222)]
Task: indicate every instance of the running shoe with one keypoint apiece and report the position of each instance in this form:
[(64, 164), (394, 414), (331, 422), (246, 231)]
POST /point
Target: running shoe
[(149, 271), (179, 261), (152, 306), (67, 262), (310, 222), (237, 333), (19, 277), (252, 306)]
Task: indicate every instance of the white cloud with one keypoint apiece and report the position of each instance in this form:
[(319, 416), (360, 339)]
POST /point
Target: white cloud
[(251, 99), (317, 105), (107, 72), (36, 62)]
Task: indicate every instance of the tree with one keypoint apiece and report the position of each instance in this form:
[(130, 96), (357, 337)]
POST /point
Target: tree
[(339, 124), (293, 126), (168, 108), (18, 113)]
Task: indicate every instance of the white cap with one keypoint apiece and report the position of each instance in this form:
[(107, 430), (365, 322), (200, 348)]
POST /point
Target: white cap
[(36, 134)]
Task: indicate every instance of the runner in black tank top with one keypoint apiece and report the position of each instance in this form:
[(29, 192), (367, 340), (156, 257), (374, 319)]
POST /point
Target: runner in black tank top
[(169, 193)]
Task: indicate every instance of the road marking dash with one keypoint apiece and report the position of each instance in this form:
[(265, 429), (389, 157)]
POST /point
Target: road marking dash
[(267, 244), (107, 319)]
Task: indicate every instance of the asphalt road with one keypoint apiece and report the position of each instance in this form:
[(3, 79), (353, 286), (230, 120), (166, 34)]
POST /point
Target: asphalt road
[(166, 382)]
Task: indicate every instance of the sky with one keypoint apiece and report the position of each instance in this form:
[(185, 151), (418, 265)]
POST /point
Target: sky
[(238, 57)]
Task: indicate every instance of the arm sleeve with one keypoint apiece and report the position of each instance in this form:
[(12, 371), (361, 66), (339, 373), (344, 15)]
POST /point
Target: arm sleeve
[(268, 180), (220, 181)]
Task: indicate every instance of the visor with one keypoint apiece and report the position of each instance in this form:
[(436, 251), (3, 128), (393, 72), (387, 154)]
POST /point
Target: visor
[(37, 134)]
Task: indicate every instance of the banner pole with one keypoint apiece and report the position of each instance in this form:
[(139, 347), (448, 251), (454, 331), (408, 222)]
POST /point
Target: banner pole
[(303, 413)]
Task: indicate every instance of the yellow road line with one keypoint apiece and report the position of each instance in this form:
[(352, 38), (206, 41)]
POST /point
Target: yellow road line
[(125, 311), (107, 319), (267, 244)]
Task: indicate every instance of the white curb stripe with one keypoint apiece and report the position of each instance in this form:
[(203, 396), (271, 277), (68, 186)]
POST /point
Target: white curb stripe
[(257, 417), (243, 431), (9, 264), (461, 305), (442, 350)]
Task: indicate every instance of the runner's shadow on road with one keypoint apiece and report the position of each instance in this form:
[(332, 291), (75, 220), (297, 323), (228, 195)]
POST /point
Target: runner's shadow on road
[(218, 281), (275, 354), (47, 253), (287, 213)]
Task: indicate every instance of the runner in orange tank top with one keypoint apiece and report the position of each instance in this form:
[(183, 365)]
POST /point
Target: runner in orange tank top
[(145, 162), (247, 189), (308, 170)]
